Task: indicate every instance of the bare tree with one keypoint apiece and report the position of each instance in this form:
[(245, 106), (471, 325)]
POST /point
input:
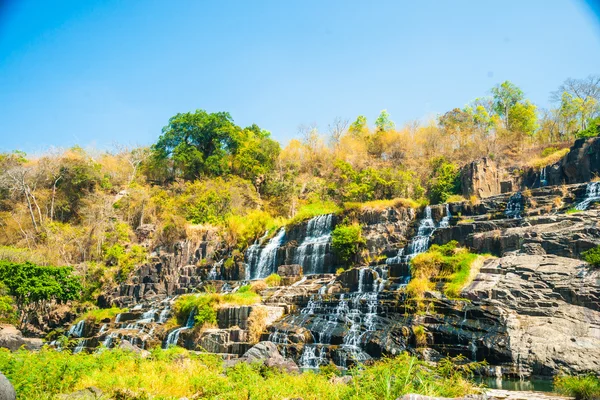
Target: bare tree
[(16, 180), (337, 129)]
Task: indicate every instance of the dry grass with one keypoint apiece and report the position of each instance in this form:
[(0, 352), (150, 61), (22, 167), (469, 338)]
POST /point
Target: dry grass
[(257, 323), (379, 205), (551, 159), (258, 286)]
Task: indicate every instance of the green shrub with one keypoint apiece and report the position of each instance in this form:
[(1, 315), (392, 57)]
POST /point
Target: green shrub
[(347, 241), (444, 180), (592, 256), (580, 387), (273, 280)]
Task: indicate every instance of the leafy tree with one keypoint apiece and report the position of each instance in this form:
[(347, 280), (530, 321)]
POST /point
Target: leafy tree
[(33, 286), (359, 126), (444, 180), (523, 118), (198, 143), (347, 241), (506, 95), (257, 155), (592, 130), (383, 122)]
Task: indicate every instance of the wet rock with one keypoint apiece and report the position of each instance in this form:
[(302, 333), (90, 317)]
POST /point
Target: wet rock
[(7, 391), (289, 270)]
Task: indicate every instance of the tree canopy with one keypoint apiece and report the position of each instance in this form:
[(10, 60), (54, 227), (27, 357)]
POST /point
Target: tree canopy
[(200, 144)]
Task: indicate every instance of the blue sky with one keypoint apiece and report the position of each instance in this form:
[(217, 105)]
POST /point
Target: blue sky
[(99, 72)]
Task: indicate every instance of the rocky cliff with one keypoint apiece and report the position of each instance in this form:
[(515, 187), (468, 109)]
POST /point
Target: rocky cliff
[(485, 178), (531, 310)]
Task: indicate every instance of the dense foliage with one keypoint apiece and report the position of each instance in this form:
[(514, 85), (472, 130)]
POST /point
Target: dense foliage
[(176, 373), (33, 286), (347, 241)]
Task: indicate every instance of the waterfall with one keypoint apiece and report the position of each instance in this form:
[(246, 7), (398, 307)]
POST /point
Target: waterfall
[(173, 336), (214, 272), (311, 252), (312, 357), (419, 243), (262, 262), (80, 346), (543, 179), (109, 339), (514, 207), (445, 222), (592, 194), (77, 329), (253, 254)]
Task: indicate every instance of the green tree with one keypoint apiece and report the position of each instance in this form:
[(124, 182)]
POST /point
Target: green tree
[(359, 126), (444, 180), (506, 95), (523, 118), (383, 122), (198, 143), (257, 155), (34, 286), (347, 242)]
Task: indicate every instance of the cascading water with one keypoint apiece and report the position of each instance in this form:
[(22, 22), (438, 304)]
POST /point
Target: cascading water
[(311, 252), (77, 329), (214, 272), (263, 261), (420, 243), (592, 194), (543, 178), (445, 222), (173, 336), (514, 207)]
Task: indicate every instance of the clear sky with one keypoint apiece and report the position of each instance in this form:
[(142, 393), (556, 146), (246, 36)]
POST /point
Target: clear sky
[(98, 72)]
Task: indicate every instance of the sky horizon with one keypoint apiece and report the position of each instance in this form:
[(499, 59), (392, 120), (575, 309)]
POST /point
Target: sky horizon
[(96, 73)]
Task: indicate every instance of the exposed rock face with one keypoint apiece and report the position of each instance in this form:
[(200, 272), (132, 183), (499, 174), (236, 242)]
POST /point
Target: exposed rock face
[(11, 338), (481, 178), (549, 308)]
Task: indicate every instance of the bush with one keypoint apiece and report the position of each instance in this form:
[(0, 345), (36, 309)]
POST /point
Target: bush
[(447, 262), (582, 387), (347, 241), (273, 280), (592, 256), (420, 335)]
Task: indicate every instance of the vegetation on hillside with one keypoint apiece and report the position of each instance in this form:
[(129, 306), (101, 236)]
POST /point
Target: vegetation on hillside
[(176, 373), (104, 212), (33, 287)]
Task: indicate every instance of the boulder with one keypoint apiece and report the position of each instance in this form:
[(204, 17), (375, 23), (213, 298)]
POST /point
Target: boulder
[(128, 346), (7, 391), (267, 353), (11, 338)]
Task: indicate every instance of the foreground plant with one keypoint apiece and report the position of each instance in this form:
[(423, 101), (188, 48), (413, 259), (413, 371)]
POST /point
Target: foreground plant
[(175, 373)]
